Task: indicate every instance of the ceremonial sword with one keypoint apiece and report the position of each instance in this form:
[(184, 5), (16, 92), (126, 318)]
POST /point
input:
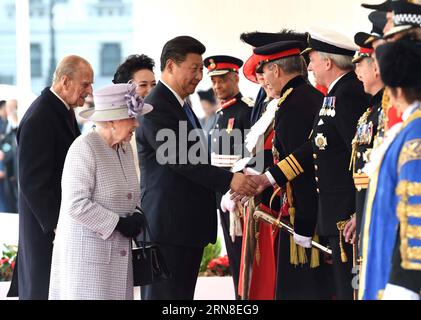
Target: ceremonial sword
[(281, 225)]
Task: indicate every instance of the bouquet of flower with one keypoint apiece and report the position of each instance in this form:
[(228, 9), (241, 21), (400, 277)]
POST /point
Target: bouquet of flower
[(7, 262), (220, 266)]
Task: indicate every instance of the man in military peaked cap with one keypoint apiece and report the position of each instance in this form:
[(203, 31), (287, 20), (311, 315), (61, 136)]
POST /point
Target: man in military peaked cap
[(263, 260), (227, 138), (333, 130), (282, 68), (258, 39), (371, 125)]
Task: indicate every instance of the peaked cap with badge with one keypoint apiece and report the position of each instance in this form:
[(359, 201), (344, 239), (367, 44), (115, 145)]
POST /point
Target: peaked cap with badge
[(220, 65), (365, 40), (329, 41), (406, 15), (276, 51)]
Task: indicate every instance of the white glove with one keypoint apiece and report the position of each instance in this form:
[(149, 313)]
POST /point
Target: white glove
[(302, 241), (394, 292), (227, 205)]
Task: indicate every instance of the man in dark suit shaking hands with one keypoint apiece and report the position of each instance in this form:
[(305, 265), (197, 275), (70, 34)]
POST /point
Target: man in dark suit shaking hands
[(44, 136), (177, 188)]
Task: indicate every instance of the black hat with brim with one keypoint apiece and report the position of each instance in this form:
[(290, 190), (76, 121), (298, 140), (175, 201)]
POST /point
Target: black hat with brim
[(384, 6), (406, 15), (379, 20), (259, 39), (366, 49), (276, 51)]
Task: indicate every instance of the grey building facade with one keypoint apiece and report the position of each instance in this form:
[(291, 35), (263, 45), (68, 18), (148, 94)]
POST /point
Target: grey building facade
[(101, 31)]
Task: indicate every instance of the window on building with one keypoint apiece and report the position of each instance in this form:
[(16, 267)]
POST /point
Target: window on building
[(110, 8), (6, 79), (36, 60), (110, 58)]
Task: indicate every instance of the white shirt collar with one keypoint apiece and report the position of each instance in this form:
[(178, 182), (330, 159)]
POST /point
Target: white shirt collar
[(67, 106), (407, 113), (334, 82), (181, 101)]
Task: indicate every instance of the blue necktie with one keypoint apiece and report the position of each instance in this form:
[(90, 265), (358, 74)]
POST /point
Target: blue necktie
[(189, 114)]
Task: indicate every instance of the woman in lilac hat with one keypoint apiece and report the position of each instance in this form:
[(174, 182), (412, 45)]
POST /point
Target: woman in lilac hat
[(100, 197)]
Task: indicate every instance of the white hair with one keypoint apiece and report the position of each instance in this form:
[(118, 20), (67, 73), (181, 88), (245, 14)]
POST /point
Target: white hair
[(68, 67), (341, 61)]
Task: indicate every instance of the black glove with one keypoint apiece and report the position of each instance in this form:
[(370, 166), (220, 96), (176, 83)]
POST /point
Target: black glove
[(132, 225)]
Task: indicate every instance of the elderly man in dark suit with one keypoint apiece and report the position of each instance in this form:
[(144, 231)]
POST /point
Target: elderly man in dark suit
[(44, 136), (178, 188)]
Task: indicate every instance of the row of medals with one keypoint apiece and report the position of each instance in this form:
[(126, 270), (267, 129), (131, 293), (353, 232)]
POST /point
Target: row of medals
[(328, 108)]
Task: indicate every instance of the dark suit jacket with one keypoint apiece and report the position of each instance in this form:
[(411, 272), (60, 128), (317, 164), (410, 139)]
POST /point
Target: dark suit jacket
[(239, 114), (10, 160), (44, 137), (178, 198), (334, 179), (293, 124)]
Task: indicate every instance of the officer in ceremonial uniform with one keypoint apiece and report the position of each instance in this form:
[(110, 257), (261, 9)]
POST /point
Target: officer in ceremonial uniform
[(259, 39), (260, 240), (258, 261), (233, 113), (298, 272), (371, 125), (333, 130), (227, 137)]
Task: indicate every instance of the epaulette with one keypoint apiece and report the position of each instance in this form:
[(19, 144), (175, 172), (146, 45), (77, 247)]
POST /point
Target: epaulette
[(226, 104), (284, 96), (248, 101)]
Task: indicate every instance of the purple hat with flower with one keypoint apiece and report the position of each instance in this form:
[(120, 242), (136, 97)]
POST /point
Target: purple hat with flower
[(116, 102)]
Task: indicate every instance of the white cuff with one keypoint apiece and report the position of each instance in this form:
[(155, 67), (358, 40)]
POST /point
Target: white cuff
[(394, 292), (270, 178)]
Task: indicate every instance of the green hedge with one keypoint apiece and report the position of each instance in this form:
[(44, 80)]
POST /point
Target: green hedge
[(210, 252)]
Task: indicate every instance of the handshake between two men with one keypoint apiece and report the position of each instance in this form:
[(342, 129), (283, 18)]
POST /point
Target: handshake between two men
[(249, 184), (244, 186)]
